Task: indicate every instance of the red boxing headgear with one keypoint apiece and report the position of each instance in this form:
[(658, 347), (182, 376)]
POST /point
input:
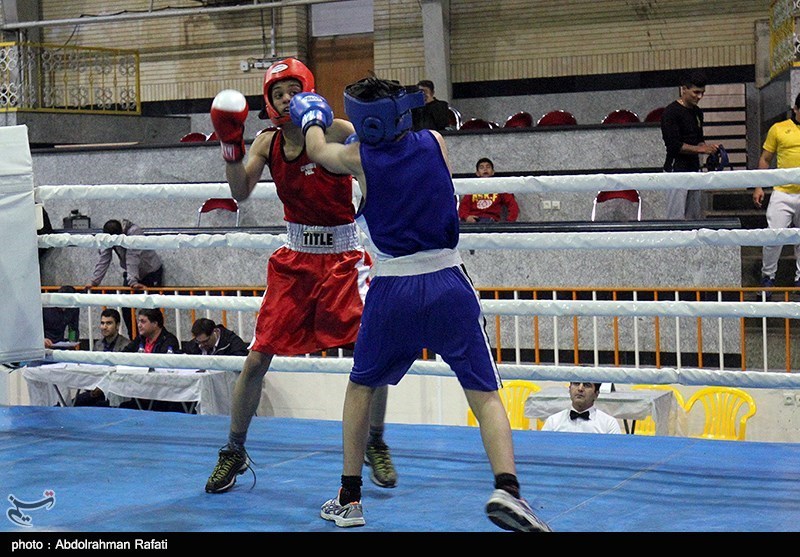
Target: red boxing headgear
[(290, 68)]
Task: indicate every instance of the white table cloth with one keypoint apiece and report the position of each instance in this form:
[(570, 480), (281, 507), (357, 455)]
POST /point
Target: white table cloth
[(50, 384)]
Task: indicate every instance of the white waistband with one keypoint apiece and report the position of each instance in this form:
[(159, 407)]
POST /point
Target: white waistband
[(322, 239), (417, 263)]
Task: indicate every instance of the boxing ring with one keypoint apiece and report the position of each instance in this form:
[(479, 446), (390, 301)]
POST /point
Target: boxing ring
[(131, 471), (116, 470)]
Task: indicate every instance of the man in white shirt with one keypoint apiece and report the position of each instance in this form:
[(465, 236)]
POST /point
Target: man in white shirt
[(583, 417)]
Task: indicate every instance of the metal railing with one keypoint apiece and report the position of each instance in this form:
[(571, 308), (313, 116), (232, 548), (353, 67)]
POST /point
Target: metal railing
[(745, 343), (57, 78)]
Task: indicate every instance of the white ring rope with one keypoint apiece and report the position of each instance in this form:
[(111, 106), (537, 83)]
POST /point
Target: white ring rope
[(592, 183), (683, 376), (263, 190), (167, 241), (558, 308), (733, 179), (664, 376), (647, 239), (526, 241)]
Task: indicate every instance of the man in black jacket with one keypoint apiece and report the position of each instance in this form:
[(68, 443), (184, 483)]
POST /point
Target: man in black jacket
[(434, 115), (59, 322), (682, 132), (153, 338), (214, 340)]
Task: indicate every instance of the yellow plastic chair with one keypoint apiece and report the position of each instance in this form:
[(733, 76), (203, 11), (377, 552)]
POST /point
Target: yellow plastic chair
[(723, 405), (513, 394), (647, 426)]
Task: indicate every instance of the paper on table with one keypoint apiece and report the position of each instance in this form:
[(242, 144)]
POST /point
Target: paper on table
[(73, 365), (56, 365), (175, 371), (65, 344), (132, 369)]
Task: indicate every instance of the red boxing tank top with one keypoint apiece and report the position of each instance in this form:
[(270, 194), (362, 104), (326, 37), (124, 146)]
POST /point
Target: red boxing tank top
[(309, 193)]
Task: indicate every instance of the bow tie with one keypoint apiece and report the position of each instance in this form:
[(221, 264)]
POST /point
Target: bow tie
[(573, 415)]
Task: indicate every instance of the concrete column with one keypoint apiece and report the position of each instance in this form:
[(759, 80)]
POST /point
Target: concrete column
[(762, 62), (17, 11), (436, 35)]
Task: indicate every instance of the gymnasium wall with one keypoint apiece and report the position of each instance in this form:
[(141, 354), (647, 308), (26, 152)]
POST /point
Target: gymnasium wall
[(195, 56)]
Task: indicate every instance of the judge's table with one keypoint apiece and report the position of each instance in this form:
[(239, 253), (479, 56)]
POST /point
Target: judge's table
[(200, 391)]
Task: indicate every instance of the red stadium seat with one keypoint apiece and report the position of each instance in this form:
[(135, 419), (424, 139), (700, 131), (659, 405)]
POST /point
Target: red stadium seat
[(654, 115), (455, 120), (621, 117), (519, 120), (218, 203), (557, 118), (193, 137), (476, 124), (630, 195), (212, 136)]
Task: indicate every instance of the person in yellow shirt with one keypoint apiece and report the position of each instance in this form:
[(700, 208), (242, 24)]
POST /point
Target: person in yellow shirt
[(783, 209)]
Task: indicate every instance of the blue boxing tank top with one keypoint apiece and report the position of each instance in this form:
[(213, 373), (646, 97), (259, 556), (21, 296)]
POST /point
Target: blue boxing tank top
[(410, 204)]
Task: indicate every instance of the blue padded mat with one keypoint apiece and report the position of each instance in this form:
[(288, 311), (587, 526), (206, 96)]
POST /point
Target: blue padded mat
[(116, 470)]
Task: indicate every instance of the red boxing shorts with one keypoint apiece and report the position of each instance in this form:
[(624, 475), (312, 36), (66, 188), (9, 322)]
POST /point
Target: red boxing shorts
[(313, 301)]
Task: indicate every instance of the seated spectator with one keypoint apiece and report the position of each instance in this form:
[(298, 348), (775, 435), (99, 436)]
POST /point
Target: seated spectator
[(583, 417), (487, 207), (211, 339), (59, 322), (153, 338), (111, 341), (434, 115)]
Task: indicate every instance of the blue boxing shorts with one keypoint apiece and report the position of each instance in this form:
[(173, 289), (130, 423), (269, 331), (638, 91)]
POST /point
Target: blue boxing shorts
[(439, 311)]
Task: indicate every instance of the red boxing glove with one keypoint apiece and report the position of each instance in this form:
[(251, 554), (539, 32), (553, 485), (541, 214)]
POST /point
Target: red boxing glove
[(228, 114)]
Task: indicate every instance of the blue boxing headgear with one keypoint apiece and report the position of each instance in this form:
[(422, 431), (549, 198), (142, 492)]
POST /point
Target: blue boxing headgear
[(718, 160), (380, 110)]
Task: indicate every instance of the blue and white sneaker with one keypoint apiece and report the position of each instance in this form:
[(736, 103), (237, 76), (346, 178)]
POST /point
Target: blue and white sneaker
[(345, 516), (510, 513)]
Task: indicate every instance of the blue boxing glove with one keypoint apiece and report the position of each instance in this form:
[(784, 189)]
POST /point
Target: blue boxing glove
[(352, 138), (310, 109)]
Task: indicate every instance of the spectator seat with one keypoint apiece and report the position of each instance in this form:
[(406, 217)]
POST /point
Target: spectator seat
[(218, 203), (631, 195), (513, 395), (557, 118), (455, 121), (654, 115), (476, 124), (519, 120), (193, 137), (726, 411), (621, 116)]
